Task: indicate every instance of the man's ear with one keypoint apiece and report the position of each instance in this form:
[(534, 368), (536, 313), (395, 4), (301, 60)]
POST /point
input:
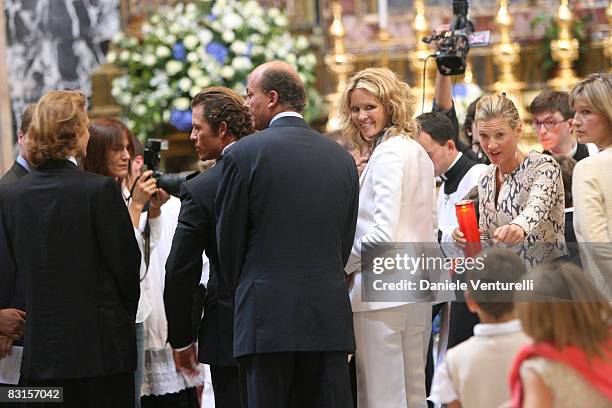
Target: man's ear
[(451, 144), (469, 302), (222, 130), (272, 98), (20, 137)]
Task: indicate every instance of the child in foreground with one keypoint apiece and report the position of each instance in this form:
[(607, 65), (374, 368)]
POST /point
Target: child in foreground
[(570, 362), (474, 373)]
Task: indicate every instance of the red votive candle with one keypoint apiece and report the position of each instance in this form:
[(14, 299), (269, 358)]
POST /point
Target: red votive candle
[(468, 224)]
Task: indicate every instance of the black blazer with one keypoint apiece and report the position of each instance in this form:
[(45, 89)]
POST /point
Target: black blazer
[(69, 235), (287, 206), (195, 233), (13, 174)]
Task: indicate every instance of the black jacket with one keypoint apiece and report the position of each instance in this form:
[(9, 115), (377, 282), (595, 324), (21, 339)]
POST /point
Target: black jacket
[(195, 233), (13, 174), (69, 236), (287, 206)]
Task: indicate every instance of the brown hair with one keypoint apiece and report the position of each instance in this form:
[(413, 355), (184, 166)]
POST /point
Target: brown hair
[(59, 120), (498, 265), (552, 101), (106, 134), (26, 117), (567, 165), (574, 312), (221, 104)]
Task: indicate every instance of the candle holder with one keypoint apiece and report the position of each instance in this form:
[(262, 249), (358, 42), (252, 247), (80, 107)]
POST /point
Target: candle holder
[(564, 50), (339, 63), (468, 224), (507, 57), (419, 55)]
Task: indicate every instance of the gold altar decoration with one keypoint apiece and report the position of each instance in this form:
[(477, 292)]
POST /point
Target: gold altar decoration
[(419, 55), (506, 57), (608, 41), (339, 63), (564, 50)]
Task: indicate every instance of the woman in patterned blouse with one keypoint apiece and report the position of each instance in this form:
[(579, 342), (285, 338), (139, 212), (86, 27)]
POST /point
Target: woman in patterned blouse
[(521, 194)]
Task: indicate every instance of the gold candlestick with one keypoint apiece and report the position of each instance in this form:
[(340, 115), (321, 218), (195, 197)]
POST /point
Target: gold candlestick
[(384, 37), (419, 55), (564, 50), (608, 43), (506, 58), (339, 63)]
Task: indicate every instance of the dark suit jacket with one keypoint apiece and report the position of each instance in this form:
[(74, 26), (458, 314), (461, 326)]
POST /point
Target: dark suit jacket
[(13, 174), (287, 206), (195, 233), (69, 235)]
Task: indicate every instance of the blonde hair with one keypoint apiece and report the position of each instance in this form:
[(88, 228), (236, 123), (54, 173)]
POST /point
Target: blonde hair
[(495, 106), (393, 94), (574, 312), (596, 90), (58, 121)]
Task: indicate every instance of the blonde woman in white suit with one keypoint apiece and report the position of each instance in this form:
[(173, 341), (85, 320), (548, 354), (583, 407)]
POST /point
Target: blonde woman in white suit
[(395, 205), (591, 99)]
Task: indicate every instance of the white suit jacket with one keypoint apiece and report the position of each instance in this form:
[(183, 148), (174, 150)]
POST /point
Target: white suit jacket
[(396, 199), (592, 196)]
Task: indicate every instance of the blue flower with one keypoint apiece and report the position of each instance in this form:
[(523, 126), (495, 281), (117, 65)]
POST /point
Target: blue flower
[(218, 51), (179, 52), (249, 48), (460, 90), (181, 119), (211, 17)]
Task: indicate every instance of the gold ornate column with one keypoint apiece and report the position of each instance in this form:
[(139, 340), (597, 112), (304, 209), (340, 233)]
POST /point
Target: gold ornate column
[(6, 123), (608, 44), (564, 50), (339, 63), (418, 57), (506, 58)]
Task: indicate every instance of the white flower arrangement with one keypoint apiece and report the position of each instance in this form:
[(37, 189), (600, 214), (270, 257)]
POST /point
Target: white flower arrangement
[(189, 47)]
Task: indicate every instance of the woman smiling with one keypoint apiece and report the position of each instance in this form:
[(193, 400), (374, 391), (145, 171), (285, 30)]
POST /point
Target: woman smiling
[(521, 194), (395, 205)]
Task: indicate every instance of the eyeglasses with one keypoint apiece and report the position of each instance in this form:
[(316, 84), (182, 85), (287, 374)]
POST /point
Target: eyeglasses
[(548, 124)]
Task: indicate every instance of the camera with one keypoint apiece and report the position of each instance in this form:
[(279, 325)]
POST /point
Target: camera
[(453, 46), (170, 182)]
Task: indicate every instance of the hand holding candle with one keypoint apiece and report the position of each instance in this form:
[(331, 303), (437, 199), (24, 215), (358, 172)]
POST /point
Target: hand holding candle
[(468, 224)]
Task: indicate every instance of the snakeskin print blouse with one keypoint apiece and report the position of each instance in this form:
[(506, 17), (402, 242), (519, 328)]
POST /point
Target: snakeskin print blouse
[(531, 197)]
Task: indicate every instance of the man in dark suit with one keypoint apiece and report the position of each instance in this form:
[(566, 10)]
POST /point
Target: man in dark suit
[(21, 167), (219, 119), (287, 205), (69, 235)]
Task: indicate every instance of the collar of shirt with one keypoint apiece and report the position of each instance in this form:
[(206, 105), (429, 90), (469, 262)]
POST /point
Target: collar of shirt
[(497, 329), (443, 176), (225, 148), (72, 159), (24, 163), (285, 114)]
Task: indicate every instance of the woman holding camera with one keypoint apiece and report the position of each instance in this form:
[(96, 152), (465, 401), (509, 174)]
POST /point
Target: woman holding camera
[(109, 152)]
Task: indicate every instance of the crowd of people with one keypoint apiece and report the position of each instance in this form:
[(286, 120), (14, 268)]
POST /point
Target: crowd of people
[(119, 293)]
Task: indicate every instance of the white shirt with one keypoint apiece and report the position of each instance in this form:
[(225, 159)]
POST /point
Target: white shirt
[(442, 390), (447, 218), (284, 115)]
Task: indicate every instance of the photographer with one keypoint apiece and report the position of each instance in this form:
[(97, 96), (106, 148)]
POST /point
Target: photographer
[(109, 152), (443, 103)]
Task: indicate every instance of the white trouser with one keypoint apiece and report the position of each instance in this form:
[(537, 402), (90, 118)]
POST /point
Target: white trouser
[(391, 356)]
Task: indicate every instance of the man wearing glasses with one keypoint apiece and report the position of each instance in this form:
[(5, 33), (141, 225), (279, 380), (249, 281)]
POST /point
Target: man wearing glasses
[(552, 121)]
